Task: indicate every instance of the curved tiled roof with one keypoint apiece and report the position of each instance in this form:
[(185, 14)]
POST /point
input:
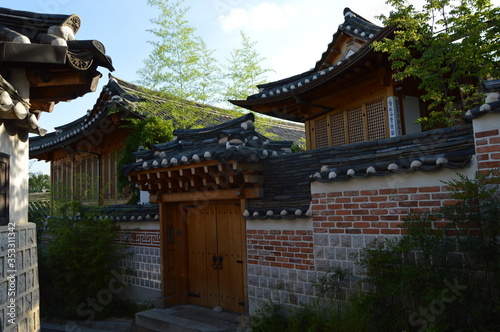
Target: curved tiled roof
[(47, 42), (125, 95), (492, 104), (287, 178), (354, 25), (234, 140), (14, 108)]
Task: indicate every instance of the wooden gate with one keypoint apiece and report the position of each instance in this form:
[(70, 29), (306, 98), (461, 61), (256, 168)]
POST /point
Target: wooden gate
[(215, 240)]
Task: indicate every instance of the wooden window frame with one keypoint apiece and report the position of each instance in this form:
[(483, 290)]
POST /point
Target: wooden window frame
[(311, 128), (5, 188)]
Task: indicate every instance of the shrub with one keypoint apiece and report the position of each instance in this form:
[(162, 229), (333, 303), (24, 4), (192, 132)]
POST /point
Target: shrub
[(76, 265), (443, 274)]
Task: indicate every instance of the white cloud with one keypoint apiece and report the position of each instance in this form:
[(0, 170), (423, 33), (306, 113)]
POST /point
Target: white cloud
[(236, 19), (262, 17)]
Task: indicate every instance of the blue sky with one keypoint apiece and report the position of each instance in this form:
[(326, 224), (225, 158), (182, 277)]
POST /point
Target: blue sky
[(290, 34)]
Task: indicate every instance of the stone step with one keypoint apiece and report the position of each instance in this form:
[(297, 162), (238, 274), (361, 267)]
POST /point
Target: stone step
[(189, 318)]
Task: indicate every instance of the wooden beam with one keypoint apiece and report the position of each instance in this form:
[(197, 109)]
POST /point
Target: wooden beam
[(223, 194), (43, 107)]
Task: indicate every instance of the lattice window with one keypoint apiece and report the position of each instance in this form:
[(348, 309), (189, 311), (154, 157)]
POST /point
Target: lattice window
[(355, 125), (338, 129), (376, 121), (321, 132)]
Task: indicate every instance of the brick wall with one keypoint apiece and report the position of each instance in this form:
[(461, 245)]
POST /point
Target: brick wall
[(287, 257)]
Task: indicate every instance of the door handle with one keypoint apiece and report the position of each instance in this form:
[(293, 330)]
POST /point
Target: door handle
[(214, 262), (219, 265)]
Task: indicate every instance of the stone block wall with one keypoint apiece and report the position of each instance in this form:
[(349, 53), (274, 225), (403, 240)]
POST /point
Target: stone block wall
[(286, 258), (19, 292), (140, 269)]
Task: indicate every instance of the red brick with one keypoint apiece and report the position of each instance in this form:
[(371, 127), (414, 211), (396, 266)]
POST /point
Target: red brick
[(387, 205), (361, 224), (343, 212), (307, 238), (287, 232), (398, 198), (369, 218), (327, 224), (319, 207), (260, 231), (371, 231), (321, 230), (495, 156), (390, 231), (351, 193), (494, 140), (368, 205), (429, 203), (441, 196), (407, 190), (483, 156), (368, 192), (336, 231), (387, 191), (481, 141), (301, 267), (378, 211), (360, 199), (335, 218), (380, 224), (351, 206), (489, 164), (353, 231), (429, 189), (408, 204), (334, 206), (420, 197), (301, 232), (288, 266), (344, 224), (488, 148), (275, 243), (493, 132), (275, 264), (334, 194), (378, 199), (352, 218), (343, 200)]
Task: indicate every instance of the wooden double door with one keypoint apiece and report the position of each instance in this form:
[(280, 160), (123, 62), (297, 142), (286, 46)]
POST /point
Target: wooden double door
[(215, 261)]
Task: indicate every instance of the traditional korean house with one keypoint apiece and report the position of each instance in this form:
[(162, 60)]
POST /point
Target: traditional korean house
[(349, 96), (41, 63), (84, 153), (243, 220), (83, 157)]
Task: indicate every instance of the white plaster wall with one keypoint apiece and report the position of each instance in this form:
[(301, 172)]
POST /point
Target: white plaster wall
[(281, 224), (395, 180), (17, 148), (489, 121)]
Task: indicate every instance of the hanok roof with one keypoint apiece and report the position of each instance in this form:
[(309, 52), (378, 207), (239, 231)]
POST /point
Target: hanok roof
[(286, 176), (124, 96), (330, 67), (58, 67), (235, 140)]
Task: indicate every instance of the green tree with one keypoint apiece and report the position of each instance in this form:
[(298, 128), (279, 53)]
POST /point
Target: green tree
[(180, 62), (450, 46), (244, 70), (38, 182)]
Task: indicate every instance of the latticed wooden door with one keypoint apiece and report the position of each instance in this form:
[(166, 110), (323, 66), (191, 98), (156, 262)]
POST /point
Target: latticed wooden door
[(215, 256)]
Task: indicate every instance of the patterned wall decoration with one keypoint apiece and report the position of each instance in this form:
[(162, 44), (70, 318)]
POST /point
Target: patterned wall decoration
[(139, 238)]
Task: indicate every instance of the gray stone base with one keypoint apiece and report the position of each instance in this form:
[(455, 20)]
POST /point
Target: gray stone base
[(19, 291)]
